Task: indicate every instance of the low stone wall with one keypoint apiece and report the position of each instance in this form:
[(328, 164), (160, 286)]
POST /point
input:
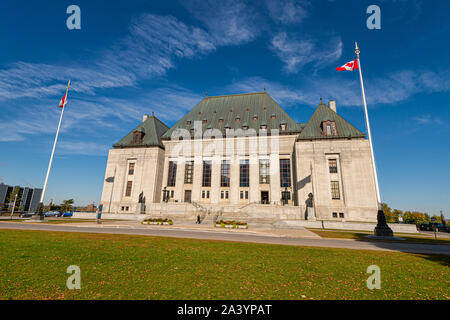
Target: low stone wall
[(340, 225), (105, 216)]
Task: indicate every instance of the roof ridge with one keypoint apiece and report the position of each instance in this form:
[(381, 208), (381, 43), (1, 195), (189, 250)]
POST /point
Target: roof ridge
[(235, 94)]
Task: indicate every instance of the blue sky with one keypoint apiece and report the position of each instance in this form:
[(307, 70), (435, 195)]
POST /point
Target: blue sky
[(134, 57)]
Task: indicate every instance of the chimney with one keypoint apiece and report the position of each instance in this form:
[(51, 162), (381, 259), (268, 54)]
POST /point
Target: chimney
[(332, 105), (145, 117)]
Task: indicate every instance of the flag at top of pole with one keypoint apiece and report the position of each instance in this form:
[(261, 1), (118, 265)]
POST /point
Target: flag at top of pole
[(62, 105)]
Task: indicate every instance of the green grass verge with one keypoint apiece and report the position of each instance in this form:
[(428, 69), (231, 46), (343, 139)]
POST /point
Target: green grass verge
[(33, 266), (362, 236)]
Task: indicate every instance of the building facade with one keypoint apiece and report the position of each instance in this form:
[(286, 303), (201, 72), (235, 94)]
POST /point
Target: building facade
[(29, 198), (243, 157)]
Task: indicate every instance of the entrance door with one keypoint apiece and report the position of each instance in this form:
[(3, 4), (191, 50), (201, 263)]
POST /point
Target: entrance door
[(187, 196), (265, 197)]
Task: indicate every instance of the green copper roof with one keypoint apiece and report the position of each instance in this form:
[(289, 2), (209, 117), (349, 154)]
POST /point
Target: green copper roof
[(152, 130), (236, 111), (313, 129)]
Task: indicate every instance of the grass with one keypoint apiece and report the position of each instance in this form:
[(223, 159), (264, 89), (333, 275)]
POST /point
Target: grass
[(33, 266), (360, 235)]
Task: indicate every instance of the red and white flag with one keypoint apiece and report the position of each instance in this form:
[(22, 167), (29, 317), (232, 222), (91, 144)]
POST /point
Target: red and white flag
[(63, 101), (349, 66)]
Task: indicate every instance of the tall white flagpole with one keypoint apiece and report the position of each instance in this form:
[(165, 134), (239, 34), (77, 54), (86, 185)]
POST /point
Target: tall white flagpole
[(53, 152), (368, 129)]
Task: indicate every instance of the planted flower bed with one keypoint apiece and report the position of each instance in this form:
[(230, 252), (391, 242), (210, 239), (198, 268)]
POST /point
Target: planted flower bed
[(157, 221), (231, 224)]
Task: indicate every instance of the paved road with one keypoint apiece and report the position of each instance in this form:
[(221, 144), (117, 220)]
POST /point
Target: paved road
[(237, 237)]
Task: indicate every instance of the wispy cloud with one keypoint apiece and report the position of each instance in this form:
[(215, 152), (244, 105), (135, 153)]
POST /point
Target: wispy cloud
[(427, 120), (83, 148), (229, 22), (296, 52), (288, 11)]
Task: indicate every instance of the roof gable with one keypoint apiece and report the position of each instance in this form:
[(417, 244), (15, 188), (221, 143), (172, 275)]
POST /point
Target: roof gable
[(249, 110), (313, 130), (152, 129)]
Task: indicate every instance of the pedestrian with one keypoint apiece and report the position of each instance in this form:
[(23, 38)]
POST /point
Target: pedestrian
[(198, 219)]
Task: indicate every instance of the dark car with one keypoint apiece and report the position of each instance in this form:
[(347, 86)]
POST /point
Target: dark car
[(431, 226), (26, 214)]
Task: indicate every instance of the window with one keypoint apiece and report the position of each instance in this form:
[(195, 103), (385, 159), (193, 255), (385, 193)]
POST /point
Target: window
[(332, 164), (341, 215), (172, 176), (244, 194), (128, 190), (171, 194), (225, 174), (205, 194), (285, 173), (283, 127), (334, 214), (335, 194), (329, 129), (264, 172), (224, 194), (244, 174), (131, 169), (206, 181), (189, 172)]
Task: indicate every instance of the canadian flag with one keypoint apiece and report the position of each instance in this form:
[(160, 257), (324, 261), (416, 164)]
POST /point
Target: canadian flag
[(63, 101), (349, 66)]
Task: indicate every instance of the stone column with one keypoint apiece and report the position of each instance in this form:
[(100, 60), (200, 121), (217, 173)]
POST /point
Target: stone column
[(179, 184), (275, 189), (234, 180), (197, 180)]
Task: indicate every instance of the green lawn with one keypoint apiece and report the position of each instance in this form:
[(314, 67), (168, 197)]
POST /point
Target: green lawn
[(33, 266)]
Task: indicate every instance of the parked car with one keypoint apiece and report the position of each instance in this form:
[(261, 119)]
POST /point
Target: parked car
[(52, 214), (67, 214), (26, 214), (431, 226)]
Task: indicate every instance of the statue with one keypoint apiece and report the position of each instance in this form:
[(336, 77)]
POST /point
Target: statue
[(310, 212)]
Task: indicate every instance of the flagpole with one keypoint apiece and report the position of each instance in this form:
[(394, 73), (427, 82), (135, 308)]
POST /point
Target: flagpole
[(368, 129), (41, 202), (382, 229)]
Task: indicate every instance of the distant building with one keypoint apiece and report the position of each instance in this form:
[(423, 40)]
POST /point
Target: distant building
[(90, 208), (29, 198)]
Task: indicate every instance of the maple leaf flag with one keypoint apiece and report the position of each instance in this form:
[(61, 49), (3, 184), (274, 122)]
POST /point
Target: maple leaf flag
[(349, 66), (63, 101)]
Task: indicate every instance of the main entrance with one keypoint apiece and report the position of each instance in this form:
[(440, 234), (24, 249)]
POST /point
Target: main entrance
[(187, 196), (265, 197)]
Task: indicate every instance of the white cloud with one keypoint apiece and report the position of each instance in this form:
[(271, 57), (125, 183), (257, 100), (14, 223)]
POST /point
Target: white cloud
[(229, 22), (288, 11), (83, 148), (295, 53)]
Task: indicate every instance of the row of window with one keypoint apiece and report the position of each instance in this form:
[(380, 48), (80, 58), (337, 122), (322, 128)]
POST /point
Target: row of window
[(244, 173)]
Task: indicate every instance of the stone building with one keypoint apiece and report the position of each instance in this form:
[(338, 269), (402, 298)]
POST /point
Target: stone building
[(243, 157)]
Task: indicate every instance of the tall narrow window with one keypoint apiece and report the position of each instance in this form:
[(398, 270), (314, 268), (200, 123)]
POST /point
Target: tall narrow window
[(285, 173), (189, 172), (335, 194), (128, 190), (329, 129), (332, 164), (264, 170), (225, 174), (131, 169), (244, 169), (172, 176), (206, 181)]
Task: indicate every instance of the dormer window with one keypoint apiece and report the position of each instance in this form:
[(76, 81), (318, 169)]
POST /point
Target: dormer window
[(245, 127), (204, 121), (188, 122), (255, 117), (137, 137), (283, 126), (238, 119), (220, 120), (192, 131), (263, 126), (329, 128), (273, 116)]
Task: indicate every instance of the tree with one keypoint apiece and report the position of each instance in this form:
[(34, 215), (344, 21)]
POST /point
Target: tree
[(66, 206), (12, 196), (387, 213)]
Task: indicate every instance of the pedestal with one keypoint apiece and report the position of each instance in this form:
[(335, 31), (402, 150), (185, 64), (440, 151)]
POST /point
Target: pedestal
[(310, 214)]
